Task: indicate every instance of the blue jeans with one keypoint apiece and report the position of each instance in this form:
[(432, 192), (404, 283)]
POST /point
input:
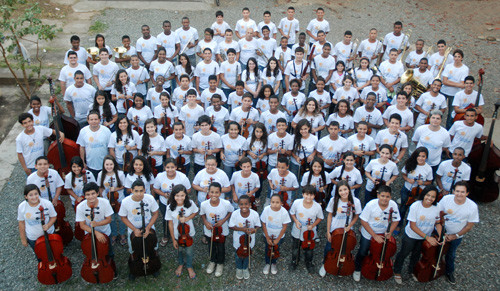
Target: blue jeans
[(369, 196), (267, 258), (451, 254), (257, 194), (122, 229), (364, 247), (405, 194), (185, 256), (32, 243), (408, 246), (229, 172), (241, 263), (94, 172)]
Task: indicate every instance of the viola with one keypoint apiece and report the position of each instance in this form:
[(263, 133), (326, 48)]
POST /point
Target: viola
[(432, 265), (181, 161), (127, 157), (304, 165), (210, 181), (370, 129), (415, 192), (261, 168), (380, 181), (166, 130), (144, 259), (185, 240), (98, 267), (245, 129), (479, 117), (339, 260), (273, 250), (217, 235), (484, 160), (378, 264), (296, 107), (394, 148), (212, 127), (308, 243), (152, 162), (66, 124), (244, 250), (320, 197), (54, 267), (62, 227), (252, 197), (113, 196), (284, 195)]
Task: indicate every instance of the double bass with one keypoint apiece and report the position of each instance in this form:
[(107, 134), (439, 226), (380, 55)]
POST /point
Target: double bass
[(484, 160), (479, 118), (98, 266), (62, 227), (339, 260), (144, 259), (378, 264), (185, 240), (54, 267), (66, 124), (432, 264)]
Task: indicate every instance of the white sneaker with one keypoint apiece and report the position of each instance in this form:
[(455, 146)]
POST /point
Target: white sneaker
[(211, 267), (239, 274), (356, 275), (246, 274), (274, 270), (218, 270), (322, 271), (266, 269)]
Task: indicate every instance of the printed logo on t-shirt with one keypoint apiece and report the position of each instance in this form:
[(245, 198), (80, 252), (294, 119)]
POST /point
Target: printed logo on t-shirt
[(28, 215), (135, 211), (427, 138), (101, 71), (74, 94), (449, 211), (301, 215), (422, 217), (228, 147), (270, 218), (143, 45), (91, 139), (339, 210), (386, 140)]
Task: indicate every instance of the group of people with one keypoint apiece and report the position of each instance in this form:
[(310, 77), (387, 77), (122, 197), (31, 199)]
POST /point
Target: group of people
[(241, 120)]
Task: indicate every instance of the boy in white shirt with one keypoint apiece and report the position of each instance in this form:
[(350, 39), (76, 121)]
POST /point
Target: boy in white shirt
[(393, 137), (104, 72), (371, 47), (331, 147), (146, 46), (226, 44), (123, 59), (391, 71), (436, 59), (270, 117), (219, 26), (242, 25), (322, 66), (422, 74), (289, 26), (452, 171), (206, 95), (188, 37), (204, 69), (267, 22), (464, 132), (266, 47), (296, 69), (466, 97), (67, 73), (317, 24), (230, 71), (79, 97), (204, 143), (138, 74), (393, 40), (279, 143), (343, 50), (415, 56), (283, 54), (170, 41), (80, 51)]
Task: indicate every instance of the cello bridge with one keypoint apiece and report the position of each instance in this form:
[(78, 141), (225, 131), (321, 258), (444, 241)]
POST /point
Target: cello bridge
[(52, 266), (145, 260), (94, 265)]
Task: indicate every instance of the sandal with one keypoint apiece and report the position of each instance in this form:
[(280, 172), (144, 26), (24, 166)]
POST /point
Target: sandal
[(192, 274), (178, 271), (164, 242)]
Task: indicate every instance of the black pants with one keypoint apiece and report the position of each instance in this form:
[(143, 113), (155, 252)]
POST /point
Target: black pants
[(218, 251), (296, 247), (408, 245)]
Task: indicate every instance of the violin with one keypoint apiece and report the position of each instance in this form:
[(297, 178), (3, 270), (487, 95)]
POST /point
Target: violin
[(415, 192), (304, 165), (245, 129), (360, 161), (207, 148), (217, 235), (428, 118), (378, 264), (296, 107), (394, 148), (237, 166), (64, 123), (59, 153), (479, 118), (166, 130), (137, 128), (244, 250), (180, 161), (484, 160), (284, 195), (272, 250), (113, 196), (339, 260), (210, 181), (152, 162), (282, 146), (62, 227), (252, 198), (212, 127), (127, 102), (320, 197), (185, 240), (54, 267), (261, 168), (144, 259), (370, 129), (127, 157), (380, 181), (79, 233), (308, 243), (432, 265), (98, 266)]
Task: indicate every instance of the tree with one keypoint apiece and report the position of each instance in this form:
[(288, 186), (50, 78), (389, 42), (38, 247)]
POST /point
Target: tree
[(21, 23)]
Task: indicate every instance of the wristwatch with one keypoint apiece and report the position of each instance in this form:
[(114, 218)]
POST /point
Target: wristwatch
[(458, 236)]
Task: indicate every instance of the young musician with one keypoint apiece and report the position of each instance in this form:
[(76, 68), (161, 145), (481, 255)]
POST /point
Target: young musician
[(67, 73), (151, 144), (204, 69), (257, 151), (219, 27), (184, 68), (369, 113), (133, 218), (371, 48), (429, 101), (361, 144), (163, 111), (74, 181), (394, 40), (322, 66), (244, 182), (104, 72), (78, 98), (178, 98), (292, 100), (341, 115), (280, 180), (296, 70), (452, 171), (139, 75), (306, 215), (106, 109), (422, 73), (461, 215), (42, 113), (245, 23), (188, 37), (179, 144), (244, 221), (463, 133), (391, 71), (402, 109), (415, 56), (147, 47), (170, 41), (346, 172), (305, 145), (207, 94), (436, 59), (289, 26), (234, 98), (316, 25), (283, 54), (318, 178), (162, 67), (267, 22), (453, 81), (208, 42), (234, 147), (204, 143), (466, 97), (374, 224), (279, 141), (210, 174), (393, 137), (46, 179), (215, 212), (321, 95), (245, 114), (330, 148), (311, 111), (80, 51), (123, 91), (343, 49), (190, 113), (267, 46), (230, 71), (380, 170), (139, 170)]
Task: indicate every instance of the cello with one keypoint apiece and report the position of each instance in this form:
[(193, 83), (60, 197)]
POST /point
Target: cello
[(339, 260), (66, 124), (479, 118), (79, 233), (284, 195), (62, 227), (181, 161), (127, 157), (432, 264), (144, 259), (185, 240), (113, 196), (485, 161), (308, 242), (378, 264), (54, 267), (98, 266)]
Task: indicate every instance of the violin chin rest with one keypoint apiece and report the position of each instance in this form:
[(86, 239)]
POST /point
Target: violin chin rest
[(496, 177)]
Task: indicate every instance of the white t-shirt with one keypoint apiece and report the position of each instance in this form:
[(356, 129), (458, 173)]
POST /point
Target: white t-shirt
[(244, 185), (316, 121), (447, 172), (275, 142), (425, 78), (367, 144), (427, 102), (185, 37), (204, 179), (323, 66), (345, 123), (212, 45), (119, 146), (168, 42), (350, 94), (156, 143), (165, 184), (219, 28), (112, 181), (242, 26), (393, 42), (257, 148), (381, 93), (303, 215), (377, 218), (247, 49), (237, 114), (272, 27), (67, 74), (315, 25), (166, 70), (43, 118), (136, 75), (457, 216), (142, 115), (292, 103), (339, 220), (377, 169), (413, 58), (96, 145), (31, 146), (206, 142), (323, 99), (419, 173), (462, 100), (406, 115), (368, 49), (224, 46), (31, 217), (234, 100), (213, 213), (206, 96), (295, 71), (434, 141), (130, 52), (463, 135), (101, 211), (316, 181), (179, 97), (353, 177), (190, 117), (231, 72), (267, 47), (436, 60), (105, 73), (147, 47), (362, 76), (81, 53), (130, 179), (78, 188), (132, 210), (159, 111), (373, 117), (275, 220), (174, 216), (390, 72), (81, 98), (306, 147), (219, 118), (204, 70), (54, 179), (104, 117), (290, 180), (399, 140), (454, 74), (174, 145), (425, 218), (233, 148), (237, 220), (342, 52), (290, 28), (332, 149), (283, 56)]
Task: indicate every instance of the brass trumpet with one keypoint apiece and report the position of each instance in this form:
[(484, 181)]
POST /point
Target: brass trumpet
[(122, 50), (94, 53), (446, 54), (417, 87)]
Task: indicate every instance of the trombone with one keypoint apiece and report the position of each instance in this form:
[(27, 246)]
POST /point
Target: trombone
[(405, 42)]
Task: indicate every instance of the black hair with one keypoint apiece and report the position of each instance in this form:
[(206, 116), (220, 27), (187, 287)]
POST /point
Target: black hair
[(146, 141), (319, 160), (411, 163), (30, 187), (78, 161), (74, 38), (70, 53), (115, 170), (261, 92), (395, 116), (119, 134), (276, 70), (298, 136), (171, 200), (283, 160), (426, 190), (219, 13), (188, 67), (384, 189), (91, 186), (23, 116), (204, 119), (336, 197), (263, 138), (309, 189), (216, 185), (138, 183), (106, 107), (118, 83), (146, 169)]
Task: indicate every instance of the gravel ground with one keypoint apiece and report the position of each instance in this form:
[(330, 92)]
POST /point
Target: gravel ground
[(476, 267)]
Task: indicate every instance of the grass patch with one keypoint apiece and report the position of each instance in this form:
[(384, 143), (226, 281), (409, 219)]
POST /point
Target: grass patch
[(98, 27)]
